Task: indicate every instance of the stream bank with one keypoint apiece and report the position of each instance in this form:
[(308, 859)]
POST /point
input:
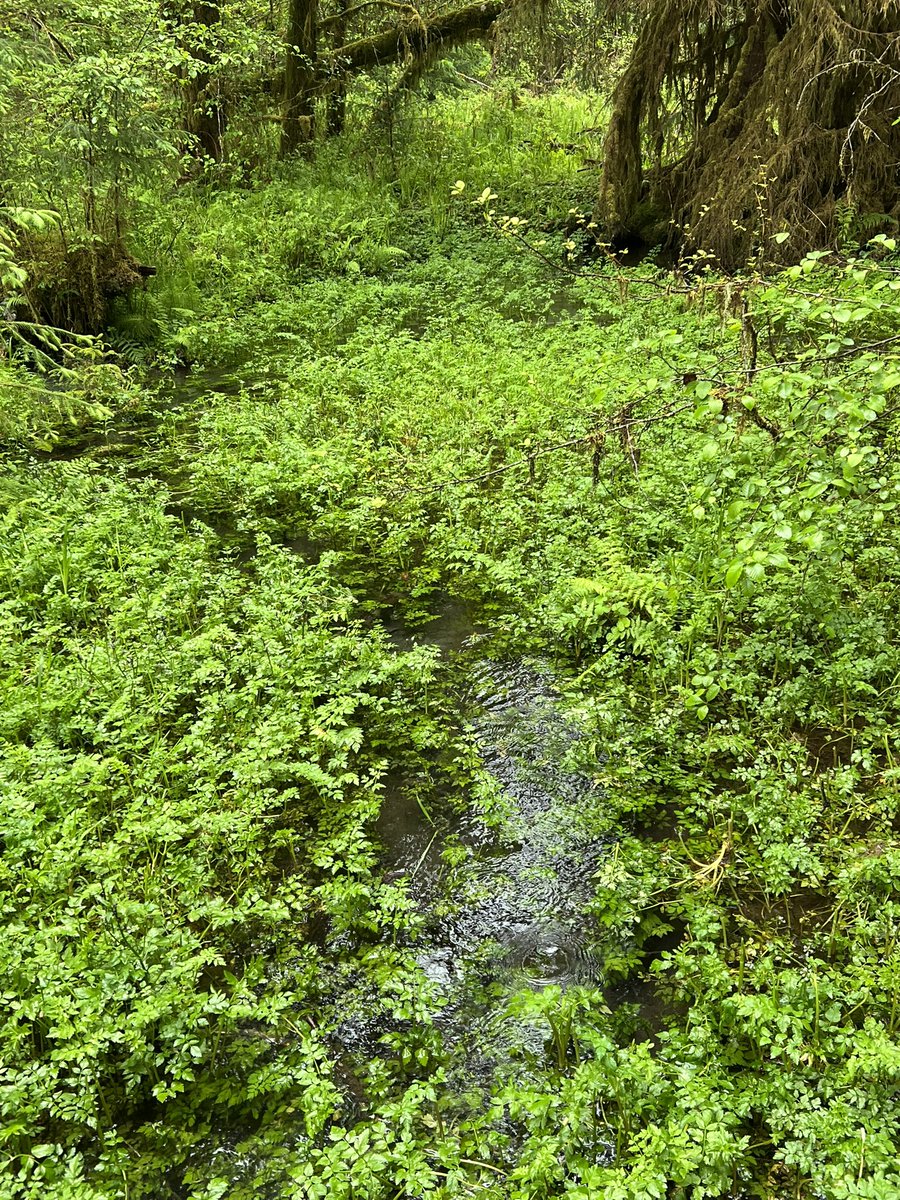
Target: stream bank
[(498, 879)]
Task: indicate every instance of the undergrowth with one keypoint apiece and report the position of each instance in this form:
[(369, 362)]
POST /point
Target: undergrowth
[(682, 494)]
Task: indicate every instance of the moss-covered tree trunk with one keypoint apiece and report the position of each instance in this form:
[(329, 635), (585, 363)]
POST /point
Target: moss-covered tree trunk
[(336, 111), (755, 128), (413, 41), (416, 37), (203, 94), (298, 121), (195, 26)]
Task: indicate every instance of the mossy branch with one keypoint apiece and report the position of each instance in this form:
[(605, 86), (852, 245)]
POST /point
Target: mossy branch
[(758, 119), (413, 38)]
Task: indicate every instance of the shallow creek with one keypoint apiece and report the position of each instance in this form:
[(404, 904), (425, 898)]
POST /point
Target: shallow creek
[(510, 914), (517, 915)]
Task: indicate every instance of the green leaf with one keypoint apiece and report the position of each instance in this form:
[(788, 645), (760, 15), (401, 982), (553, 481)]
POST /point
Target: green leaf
[(733, 574)]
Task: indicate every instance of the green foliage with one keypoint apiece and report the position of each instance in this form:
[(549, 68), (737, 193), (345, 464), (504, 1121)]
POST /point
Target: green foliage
[(722, 596), (529, 149), (682, 497), (171, 736)]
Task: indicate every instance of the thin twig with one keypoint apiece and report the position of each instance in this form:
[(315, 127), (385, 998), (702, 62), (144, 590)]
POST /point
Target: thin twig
[(471, 79), (584, 439)]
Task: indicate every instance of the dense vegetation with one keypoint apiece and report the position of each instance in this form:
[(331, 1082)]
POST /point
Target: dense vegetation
[(306, 460)]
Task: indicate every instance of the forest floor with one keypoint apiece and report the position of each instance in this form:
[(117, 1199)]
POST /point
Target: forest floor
[(450, 729)]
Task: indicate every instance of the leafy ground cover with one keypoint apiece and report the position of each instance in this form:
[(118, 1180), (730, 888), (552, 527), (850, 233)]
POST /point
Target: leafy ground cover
[(680, 492)]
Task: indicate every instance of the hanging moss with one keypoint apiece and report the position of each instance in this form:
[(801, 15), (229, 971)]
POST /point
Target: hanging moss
[(744, 120)]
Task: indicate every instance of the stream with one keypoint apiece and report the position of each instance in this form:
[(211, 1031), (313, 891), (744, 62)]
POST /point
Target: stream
[(513, 917), (518, 918)]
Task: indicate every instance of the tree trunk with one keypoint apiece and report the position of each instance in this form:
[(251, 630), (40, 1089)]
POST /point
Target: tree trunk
[(205, 109), (204, 118), (300, 77), (792, 135), (416, 37), (310, 75), (336, 112)]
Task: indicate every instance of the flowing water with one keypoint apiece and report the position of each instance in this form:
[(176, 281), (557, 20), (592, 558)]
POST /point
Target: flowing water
[(517, 916), (517, 920), (129, 432)]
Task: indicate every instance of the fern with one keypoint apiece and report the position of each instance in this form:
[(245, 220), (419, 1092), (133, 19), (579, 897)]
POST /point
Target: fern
[(618, 604), (144, 320)]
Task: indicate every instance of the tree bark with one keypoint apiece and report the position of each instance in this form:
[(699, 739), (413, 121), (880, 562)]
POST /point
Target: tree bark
[(204, 111), (300, 78), (309, 75), (336, 111), (793, 128), (414, 38)]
